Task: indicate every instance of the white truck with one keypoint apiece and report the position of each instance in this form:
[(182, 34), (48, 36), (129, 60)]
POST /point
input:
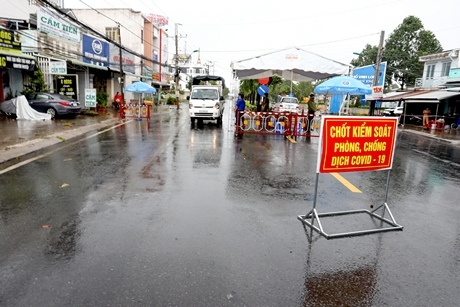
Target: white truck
[(206, 100)]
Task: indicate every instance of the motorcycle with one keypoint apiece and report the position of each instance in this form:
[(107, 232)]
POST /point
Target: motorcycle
[(414, 120), (116, 101)]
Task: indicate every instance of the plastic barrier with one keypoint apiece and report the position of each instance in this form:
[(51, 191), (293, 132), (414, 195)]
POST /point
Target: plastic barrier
[(288, 124), (135, 110)]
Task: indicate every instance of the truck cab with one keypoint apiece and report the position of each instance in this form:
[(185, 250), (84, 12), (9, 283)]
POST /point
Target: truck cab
[(206, 100)]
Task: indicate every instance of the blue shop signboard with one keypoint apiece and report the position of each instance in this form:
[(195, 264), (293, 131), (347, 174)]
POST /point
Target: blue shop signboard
[(365, 74), (95, 51)]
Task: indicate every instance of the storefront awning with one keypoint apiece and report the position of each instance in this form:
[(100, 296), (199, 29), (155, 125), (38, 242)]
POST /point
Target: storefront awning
[(403, 95), (21, 55), (80, 63), (157, 84), (17, 60), (431, 97)]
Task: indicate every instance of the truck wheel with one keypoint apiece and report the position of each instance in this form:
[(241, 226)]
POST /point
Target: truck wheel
[(192, 120)]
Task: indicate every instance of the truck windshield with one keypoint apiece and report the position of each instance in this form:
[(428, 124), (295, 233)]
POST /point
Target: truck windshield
[(204, 93)]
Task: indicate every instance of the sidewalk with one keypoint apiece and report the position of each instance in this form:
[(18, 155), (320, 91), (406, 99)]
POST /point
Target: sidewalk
[(19, 138), (451, 136)]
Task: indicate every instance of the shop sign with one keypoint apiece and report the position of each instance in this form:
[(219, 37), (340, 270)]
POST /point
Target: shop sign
[(352, 144), (158, 20), (8, 61), (58, 68), (95, 51), (127, 59), (51, 45), (53, 24), (67, 85), (365, 74), (10, 41), (90, 97), (156, 76), (377, 92)]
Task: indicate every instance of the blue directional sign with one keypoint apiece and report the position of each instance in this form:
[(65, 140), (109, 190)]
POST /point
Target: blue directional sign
[(262, 89)]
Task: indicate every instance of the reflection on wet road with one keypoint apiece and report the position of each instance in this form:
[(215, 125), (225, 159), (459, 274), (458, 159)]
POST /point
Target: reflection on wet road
[(164, 214)]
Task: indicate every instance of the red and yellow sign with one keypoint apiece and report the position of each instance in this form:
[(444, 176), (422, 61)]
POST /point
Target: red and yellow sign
[(355, 144)]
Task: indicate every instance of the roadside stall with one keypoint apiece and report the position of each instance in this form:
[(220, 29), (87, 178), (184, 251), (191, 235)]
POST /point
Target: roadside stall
[(138, 110)]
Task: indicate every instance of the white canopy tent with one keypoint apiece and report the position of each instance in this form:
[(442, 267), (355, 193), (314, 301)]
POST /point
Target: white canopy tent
[(292, 63)]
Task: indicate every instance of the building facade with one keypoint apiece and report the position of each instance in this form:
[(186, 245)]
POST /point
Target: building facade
[(439, 69), (78, 56)]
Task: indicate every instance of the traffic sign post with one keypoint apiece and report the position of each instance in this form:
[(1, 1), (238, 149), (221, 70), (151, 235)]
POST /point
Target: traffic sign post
[(262, 89), (352, 144)]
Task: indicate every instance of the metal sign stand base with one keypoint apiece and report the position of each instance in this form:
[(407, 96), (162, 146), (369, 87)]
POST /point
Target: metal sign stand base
[(309, 218)]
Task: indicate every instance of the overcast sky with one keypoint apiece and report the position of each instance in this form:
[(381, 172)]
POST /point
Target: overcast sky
[(227, 31)]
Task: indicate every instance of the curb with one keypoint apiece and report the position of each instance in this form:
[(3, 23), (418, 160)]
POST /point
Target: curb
[(435, 137)]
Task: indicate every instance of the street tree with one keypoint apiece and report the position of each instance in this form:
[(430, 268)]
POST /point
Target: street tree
[(249, 89), (403, 48), (366, 57)]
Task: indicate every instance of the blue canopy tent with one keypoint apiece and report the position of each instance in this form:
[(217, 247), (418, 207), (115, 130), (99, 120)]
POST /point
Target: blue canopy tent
[(340, 86)]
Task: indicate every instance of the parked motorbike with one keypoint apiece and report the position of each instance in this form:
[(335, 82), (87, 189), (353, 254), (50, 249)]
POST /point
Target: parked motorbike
[(414, 120), (456, 125)]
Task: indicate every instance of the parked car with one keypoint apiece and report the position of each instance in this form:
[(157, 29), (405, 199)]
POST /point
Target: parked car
[(393, 111), (54, 104), (287, 104)]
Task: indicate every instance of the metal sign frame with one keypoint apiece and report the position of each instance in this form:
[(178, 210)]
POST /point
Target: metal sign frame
[(313, 218)]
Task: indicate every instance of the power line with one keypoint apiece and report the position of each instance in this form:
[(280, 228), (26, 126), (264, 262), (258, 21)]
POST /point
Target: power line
[(117, 22), (57, 9)]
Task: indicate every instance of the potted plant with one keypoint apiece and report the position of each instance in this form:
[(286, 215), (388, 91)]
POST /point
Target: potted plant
[(102, 100), (171, 100), (148, 101)]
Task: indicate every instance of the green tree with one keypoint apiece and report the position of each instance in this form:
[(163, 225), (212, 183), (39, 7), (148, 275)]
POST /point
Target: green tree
[(249, 89), (36, 82), (305, 89), (367, 56), (403, 48)]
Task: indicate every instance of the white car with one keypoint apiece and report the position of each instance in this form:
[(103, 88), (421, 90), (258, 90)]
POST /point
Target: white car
[(393, 111), (287, 104)]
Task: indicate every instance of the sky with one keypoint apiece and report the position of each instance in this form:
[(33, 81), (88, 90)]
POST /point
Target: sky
[(226, 31)]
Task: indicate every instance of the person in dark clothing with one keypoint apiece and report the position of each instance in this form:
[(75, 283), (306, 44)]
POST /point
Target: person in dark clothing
[(265, 103), (259, 104)]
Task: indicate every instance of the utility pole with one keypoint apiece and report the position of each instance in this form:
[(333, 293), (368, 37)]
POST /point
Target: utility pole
[(122, 77), (375, 82), (177, 64)]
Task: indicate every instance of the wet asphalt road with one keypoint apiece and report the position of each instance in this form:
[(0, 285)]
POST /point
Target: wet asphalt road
[(161, 214)]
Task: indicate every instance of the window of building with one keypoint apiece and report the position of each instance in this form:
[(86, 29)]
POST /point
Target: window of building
[(429, 72), (445, 69), (112, 33)]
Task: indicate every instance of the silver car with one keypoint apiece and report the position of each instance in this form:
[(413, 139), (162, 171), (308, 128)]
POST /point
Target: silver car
[(394, 111), (54, 104), (287, 104)]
